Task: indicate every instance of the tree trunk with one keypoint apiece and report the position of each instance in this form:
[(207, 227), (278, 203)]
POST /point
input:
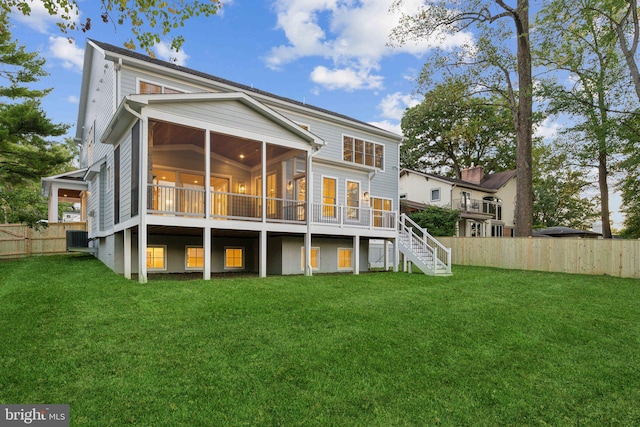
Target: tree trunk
[(630, 51), (524, 196), (604, 195)]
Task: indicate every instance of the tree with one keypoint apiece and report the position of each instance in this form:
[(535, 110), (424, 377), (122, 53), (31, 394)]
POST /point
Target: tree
[(441, 17), (438, 221), (629, 132), (573, 40), (26, 154), (622, 16), (452, 129), (558, 189), (147, 19)]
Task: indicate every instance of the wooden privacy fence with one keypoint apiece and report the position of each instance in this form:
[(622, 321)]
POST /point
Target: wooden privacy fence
[(561, 255), (19, 240)]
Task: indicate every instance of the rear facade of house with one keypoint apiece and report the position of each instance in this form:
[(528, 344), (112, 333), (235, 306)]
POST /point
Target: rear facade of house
[(186, 172)]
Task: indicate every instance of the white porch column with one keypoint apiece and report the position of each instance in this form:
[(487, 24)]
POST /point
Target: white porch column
[(206, 248), (264, 182), (142, 201), (385, 247), (356, 254), (308, 271), (142, 253), (127, 253), (53, 204), (263, 253), (207, 175), (396, 255)]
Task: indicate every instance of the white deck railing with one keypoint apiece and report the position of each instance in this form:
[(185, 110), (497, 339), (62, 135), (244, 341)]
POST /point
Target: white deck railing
[(180, 201), (433, 253)]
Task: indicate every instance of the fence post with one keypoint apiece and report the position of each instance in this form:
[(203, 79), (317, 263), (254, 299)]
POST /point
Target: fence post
[(27, 240)]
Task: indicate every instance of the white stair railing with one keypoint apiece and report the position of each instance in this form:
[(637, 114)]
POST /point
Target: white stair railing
[(423, 246)]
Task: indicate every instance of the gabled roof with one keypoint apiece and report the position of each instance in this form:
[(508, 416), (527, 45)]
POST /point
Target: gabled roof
[(497, 180), (452, 181), (135, 102), (72, 179), (228, 85), (490, 183)]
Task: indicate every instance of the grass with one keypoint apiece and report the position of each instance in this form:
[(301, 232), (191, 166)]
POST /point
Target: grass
[(483, 347)]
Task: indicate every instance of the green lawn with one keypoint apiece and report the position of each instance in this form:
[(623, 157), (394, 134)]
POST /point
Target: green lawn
[(483, 347)]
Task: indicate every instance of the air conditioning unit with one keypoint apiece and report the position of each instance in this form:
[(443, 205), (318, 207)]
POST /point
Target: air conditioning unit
[(77, 239)]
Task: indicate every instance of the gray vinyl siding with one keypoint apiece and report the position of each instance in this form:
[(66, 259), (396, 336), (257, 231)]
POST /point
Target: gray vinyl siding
[(125, 177), (385, 182), (92, 205), (129, 82), (99, 108), (232, 114)]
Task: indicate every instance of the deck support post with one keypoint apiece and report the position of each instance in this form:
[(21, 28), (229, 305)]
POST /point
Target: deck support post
[(356, 254), (206, 247), (263, 253), (127, 253)]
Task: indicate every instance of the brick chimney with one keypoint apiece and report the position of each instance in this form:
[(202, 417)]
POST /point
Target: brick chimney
[(473, 174)]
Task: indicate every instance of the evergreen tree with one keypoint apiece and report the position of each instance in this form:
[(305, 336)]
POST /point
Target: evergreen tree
[(26, 152)]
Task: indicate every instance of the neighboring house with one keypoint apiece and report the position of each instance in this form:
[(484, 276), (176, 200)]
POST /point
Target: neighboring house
[(566, 232), (183, 171), (486, 202)]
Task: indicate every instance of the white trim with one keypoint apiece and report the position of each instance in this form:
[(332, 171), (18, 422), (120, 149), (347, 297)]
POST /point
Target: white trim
[(161, 85), (186, 258), (335, 205), (346, 199), (374, 167), (243, 258), (164, 253)]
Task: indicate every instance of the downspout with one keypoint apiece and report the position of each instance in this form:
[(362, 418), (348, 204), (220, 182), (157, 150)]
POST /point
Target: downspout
[(117, 67)]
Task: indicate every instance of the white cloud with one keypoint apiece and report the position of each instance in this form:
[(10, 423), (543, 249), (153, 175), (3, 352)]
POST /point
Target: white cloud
[(345, 78), (353, 35), (387, 125), (547, 129), (163, 51), (67, 51), (394, 105), (72, 99), (39, 18)]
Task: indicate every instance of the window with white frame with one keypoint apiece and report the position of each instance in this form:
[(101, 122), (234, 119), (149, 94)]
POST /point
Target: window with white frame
[(329, 197), (156, 257), (362, 152), (233, 258), (345, 259), (315, 258), (194, 258), (435, 194), (353, 199), (382, 216), (151, 88)]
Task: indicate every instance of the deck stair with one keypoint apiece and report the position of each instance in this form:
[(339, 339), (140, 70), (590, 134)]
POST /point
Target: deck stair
[(421, 249)]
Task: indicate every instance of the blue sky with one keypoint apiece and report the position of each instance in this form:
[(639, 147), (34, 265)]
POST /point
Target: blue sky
[(329, 53)]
